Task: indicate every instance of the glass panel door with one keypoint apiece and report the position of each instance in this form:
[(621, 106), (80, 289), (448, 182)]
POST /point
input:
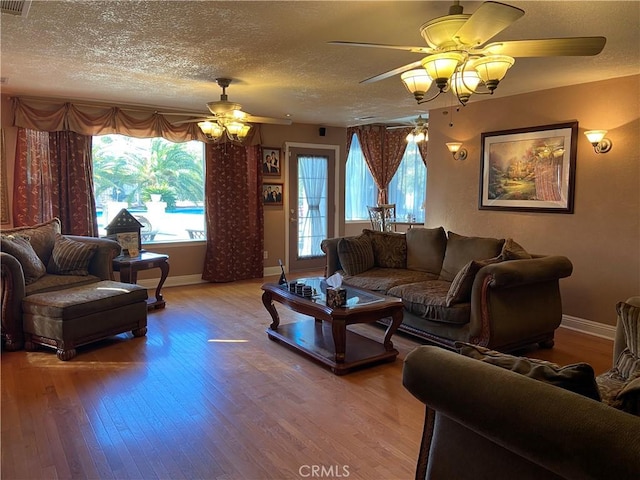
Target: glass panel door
[(310, 206)]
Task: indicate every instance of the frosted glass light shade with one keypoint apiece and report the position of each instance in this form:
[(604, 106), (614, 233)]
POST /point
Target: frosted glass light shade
[(416, 80), (454, 146), (492, 68), (442, 65), (464, 84), (595, 136), (210, 129)]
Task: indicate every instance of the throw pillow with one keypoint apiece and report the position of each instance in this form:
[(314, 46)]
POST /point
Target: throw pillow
[(628, 362), (511, 250), (389, 248), (425, 249), (460, 289), (578, 378), (355, 254), (41, 237), (461, 250), (19, 247), (70, 257)]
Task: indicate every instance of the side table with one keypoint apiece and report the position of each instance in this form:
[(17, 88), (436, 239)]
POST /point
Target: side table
[(130, 266)]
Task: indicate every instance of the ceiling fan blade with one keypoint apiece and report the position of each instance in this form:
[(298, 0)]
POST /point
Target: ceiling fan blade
[(393, 72), (486, 22), (273, 121), (193, 120), (548, 47), (407, 48), (397, 127)]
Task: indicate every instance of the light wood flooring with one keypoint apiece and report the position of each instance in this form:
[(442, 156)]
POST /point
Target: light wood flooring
[(207, 395)]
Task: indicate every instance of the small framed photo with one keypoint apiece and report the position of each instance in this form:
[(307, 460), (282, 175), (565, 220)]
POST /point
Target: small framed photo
[(271, 161), (272, 193), (129, 242)]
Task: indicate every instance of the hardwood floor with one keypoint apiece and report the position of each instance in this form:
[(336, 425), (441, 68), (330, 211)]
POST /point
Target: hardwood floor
[(207, 395)]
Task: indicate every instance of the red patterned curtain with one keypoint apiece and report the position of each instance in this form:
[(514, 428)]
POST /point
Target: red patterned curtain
[(383, 150), (422, 148), (32, 179), (53, 178), (234, 213), (70, 154)]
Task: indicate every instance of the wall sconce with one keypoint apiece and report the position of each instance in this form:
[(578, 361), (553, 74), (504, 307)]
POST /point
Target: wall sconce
[(599, 142), (457, 152)]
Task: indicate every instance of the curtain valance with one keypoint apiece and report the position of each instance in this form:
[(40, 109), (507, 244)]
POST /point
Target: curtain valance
[(51, 116)]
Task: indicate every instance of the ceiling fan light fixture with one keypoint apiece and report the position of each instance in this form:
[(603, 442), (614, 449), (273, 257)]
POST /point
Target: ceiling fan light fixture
[(417, 82), (244, 131), (211, 130), (492, 68), (441, 66), (464, 83)]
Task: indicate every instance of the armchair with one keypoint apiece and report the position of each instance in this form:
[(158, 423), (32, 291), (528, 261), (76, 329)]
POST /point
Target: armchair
[(15, 285), (620, 386)]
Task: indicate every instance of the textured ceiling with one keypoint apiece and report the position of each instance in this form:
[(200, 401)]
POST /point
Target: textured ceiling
[(167, 54)]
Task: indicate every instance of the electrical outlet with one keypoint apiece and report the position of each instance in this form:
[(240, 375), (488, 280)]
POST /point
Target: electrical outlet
[(266, 254)]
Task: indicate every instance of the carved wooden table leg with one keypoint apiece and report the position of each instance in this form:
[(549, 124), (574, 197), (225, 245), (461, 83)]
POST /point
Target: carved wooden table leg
[(339, 332), (396, 320), (164, 272), (268, 304)]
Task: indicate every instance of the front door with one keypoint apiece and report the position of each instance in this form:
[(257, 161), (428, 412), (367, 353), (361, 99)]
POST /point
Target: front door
[(311, 205)]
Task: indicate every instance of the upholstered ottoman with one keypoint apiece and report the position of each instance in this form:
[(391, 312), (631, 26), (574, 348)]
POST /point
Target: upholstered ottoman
[(66, 319)]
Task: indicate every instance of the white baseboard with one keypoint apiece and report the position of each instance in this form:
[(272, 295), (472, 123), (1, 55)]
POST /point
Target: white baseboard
[(182, 280), (589, 327), (270, 271), (175, 281)]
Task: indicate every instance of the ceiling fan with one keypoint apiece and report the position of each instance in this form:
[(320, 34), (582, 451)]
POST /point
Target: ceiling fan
[(420, 132), (228, 117), (459, 59)]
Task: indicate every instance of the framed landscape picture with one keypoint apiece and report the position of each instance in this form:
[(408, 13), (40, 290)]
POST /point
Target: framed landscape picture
[(272, 193), (271, 161), (529, 169)]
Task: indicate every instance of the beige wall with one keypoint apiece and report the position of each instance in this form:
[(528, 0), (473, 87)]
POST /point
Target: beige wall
[(602, 236), (274, 215)]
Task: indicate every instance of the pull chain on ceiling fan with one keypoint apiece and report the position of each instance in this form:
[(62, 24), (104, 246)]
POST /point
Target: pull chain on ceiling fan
[(457, 61)]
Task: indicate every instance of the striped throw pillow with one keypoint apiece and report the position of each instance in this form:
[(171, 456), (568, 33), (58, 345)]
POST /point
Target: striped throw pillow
[(70, 257), (355, 254)]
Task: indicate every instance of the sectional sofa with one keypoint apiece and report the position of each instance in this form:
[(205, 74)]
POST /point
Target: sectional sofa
[(485, 291)]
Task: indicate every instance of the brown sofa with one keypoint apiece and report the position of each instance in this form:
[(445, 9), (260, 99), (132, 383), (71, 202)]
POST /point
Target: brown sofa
[(21, 276), (485, 291)]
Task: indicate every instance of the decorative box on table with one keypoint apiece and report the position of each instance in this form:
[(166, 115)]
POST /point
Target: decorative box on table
[(125, 229), (336, 297)]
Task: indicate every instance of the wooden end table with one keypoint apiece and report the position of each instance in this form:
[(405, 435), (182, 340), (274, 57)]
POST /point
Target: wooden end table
[(325, 336), (130, 266)]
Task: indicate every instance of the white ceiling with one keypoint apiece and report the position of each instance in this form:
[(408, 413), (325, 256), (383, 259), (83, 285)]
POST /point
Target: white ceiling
[(167, 54)]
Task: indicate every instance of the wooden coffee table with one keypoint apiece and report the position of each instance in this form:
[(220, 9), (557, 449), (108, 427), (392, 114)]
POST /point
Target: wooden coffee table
[(325, 337)]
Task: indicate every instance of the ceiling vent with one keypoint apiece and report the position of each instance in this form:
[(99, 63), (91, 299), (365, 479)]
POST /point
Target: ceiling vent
[(15, 7)]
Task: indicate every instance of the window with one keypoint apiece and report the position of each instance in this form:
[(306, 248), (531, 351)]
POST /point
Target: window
[(160, 182), (360, 189), (408, 187)]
